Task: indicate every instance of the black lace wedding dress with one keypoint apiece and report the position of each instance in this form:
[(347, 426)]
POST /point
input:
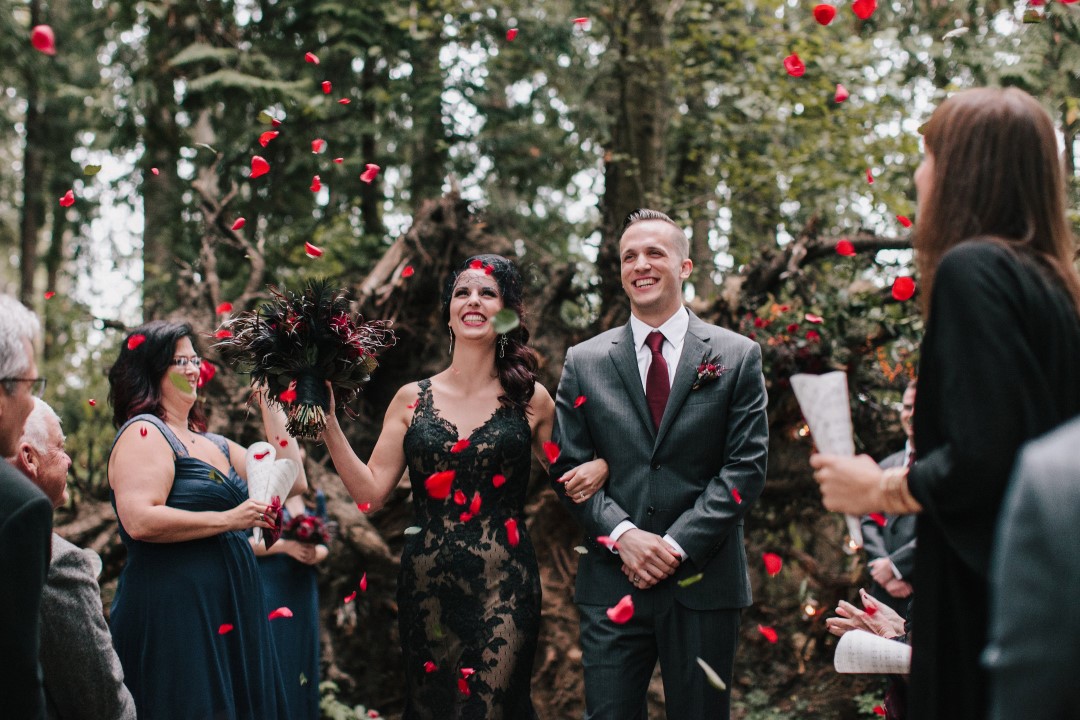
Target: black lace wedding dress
[(469, 591)]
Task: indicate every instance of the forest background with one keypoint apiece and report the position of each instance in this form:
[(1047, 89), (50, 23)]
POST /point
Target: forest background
[(535, 144)]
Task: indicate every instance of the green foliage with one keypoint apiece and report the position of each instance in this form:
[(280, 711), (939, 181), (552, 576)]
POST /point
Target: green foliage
[(333, 709)]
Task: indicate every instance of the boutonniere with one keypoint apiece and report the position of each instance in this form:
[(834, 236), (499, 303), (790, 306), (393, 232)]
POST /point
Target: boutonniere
[(709, 370)]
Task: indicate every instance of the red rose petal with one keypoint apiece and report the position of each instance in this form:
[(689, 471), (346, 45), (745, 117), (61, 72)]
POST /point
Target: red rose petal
[(224, 629), (438, 484), (812, 318), (312, 251), (281, 612), (773, 563), (459, 497), (240, 222), (512, 534), (259, 167), (581, 21), (267, 136), (845, 247), (316, 184), (225, 307), (311, 58), (283, 443), (142, 431), (623, 610), (792, 327), (223, 333), (339, 160), (498, 480), (511, 34), (370, 171), (430, 667), (263, 454), (841, 93), (274, 122), (93, 402), (68, 199), (467, 671), (460, 445), (344, 101), (476, 264), (49, 294), (363, 583), (363, 507), (206, 372), (863, 9), (474, 506), (903, 220), (903, 288), (794, 66), (824, 13), (327, 87), (735, 494), (871, 610), (407, 271), (869, 176), (317, 145), (607, 542), (551, 450), (878, 518), (880, 710), (135, 341), (579, 401), (768, 633), (463, 687), (350, 597), (43, 39), (813, 335), (288, 396), (155, 171)]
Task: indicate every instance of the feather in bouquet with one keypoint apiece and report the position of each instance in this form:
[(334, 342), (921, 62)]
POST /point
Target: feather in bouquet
[(296, 342)]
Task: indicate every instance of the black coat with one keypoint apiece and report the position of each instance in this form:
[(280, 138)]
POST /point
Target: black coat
[(998, 367)]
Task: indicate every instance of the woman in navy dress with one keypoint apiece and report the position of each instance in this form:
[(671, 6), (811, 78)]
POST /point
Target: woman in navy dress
[(189, 621)]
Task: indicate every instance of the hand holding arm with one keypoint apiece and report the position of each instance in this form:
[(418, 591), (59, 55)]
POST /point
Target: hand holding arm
[(584, 481)]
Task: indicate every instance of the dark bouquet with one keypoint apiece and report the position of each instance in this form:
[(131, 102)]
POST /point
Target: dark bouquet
[(296, 342), (312, 527)]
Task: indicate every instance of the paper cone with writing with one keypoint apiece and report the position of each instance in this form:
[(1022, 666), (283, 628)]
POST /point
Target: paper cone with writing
[(861, 652), (269, 478)]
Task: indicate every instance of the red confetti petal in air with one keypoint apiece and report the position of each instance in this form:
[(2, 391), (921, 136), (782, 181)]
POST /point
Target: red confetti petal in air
[(339, 160), (288, 396), (317, 145), (463, 687), (903, 288), (363, 507), (773, 563), (489, 269), (68, 199), (871, 610), (370, 171), (474, 506), (607, 542), (142, 431), (327, 87), (281, 612), (880, 710), (512, 535), (225, 307), (224, 629), (223, 333), (511, 34), (206, 373), (459, 497), (813, 335), (581, 21), (869, 176), (878, 518), (135, 341), (259, 167), (824, 13), (311, 58), (410, 407), (551, 450), (344, 101), (312, 251), (845, 247), (49, 294), (460, 445), (768, 633), (260, 456), (407, 271), (316, 184), (282, 443), (350, 597), (623, 610), (363, 583), (792, 327), (430, 667), (812, 318), (794, 66), (267, 136), (239, 223), (579, 401), (155, 171), (43, 39), (93, 402), (274, 122), (498, 480), (467, 671), (735, 494), (476, 265), (841, 93), (903, 220), (438, 485), (863, 9)]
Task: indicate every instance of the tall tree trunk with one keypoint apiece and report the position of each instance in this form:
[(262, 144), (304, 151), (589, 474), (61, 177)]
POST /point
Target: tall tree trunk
[(370, 194), (430, 149), (33, 210)]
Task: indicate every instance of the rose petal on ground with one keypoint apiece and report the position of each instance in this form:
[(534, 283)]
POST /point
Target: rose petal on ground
[(773, 563), (551, 450), (622, 611), (824, 13), (155, 171), (281, 612), (259, 167), (370, 171), (512, 534), (438, 484), (768, 633), (312, 251), (845, 247), (903, 288), (794, 66), (135, 341)]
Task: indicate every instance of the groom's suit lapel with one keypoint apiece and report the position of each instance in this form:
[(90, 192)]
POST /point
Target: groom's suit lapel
[(624, 357), (695, 345)]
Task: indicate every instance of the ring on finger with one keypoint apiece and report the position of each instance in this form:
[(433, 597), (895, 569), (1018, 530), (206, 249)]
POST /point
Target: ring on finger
[(581, 494)]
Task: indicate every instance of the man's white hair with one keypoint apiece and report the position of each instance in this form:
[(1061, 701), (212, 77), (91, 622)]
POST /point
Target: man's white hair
[(17, 324), (36, 429)]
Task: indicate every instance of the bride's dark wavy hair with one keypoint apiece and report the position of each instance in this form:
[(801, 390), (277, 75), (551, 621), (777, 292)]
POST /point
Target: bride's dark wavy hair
[(518, 365)]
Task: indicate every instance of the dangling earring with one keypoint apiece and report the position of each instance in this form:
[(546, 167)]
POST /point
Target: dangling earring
[(502, 346), (450, 352)]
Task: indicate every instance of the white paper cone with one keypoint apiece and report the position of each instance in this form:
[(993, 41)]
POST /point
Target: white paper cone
[(267, 476), (861, 652)]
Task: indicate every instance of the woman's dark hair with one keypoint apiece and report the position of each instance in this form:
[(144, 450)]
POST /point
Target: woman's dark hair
[(997, 174), (517, 363), (135, 378)]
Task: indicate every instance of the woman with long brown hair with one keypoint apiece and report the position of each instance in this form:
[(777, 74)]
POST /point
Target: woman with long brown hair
[(997, 368)]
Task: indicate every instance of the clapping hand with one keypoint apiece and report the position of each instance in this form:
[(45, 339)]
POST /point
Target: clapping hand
[(878, 618)]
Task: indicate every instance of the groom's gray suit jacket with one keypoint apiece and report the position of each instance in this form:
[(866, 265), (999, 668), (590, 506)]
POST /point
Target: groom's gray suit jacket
[(678, 480)]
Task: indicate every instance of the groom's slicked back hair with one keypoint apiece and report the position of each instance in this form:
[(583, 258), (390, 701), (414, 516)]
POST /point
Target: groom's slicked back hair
[(645, 214)]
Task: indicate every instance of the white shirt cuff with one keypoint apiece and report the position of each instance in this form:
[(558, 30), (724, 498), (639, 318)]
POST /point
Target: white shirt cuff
[(618, 532), (895, 572), (675, 546)]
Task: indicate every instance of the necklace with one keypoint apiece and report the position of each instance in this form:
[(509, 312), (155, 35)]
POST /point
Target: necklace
[(176, 432)]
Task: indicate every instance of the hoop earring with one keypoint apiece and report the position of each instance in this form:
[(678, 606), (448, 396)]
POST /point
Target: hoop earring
[(450, 352), (502, 346)]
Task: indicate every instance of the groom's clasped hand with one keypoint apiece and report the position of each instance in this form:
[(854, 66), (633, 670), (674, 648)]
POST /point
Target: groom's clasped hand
[(647, 558)]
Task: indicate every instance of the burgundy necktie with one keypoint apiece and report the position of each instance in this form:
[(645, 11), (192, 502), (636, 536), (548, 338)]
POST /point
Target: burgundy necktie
[(657, 385)]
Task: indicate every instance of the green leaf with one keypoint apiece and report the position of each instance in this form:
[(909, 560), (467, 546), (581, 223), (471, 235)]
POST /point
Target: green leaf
[(714, 679), (687, 582), (266, 118), (179, 381), (505, 320), (91, 170)]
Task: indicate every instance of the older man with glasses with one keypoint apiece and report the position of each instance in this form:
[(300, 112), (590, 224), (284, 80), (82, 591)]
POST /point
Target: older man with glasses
[(25, 520)]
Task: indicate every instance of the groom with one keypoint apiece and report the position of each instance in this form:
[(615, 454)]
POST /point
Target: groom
[(677, 408)]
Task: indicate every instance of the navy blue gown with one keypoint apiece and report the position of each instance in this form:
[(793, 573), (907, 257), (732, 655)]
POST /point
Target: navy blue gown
[(175, 601), (290, 583)]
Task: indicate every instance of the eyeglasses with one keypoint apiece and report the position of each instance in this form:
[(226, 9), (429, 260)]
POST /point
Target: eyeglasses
[(37, 385), (182, 362)]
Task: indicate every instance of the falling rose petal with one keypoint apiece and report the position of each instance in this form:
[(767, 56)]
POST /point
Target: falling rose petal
[(623, 610), (281, 612), (43, 39), (792, 327), (813, 335), (363, 507), (311, 58), (267, 136), (407, 271), (460, 445), (239, 223), (224, 629), (735, 494), (438, 484), (288, 396), (863, 9), (476, 264), (223, 333), (773, 563), (880, 710), (845, 247), (344, 101), (579, 401), (607, 542), (581, 21), (511, 34), (551, 450), (463, 687), (312, 251), (498, 480), (316, 184), (812, 318), (206, 372), (512, 534), (274, 122), (350, 597), (135, 341), (339, 160), (326, 87), (459, 497), (878, 518), (794, 66), (260, 456), (68, 199), (50, 294), (370, 171), (467, 671), (903, 220), (903, 288), (259, 167), (871, 610), (363, 583), (142, 431), (93, 402), (413, 405), (841, 93), (283, 443), (317, 146), (824, 13), (869, 176), (474, 506), (768, 632), (155, 171), (430, 667), (225, 307)]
